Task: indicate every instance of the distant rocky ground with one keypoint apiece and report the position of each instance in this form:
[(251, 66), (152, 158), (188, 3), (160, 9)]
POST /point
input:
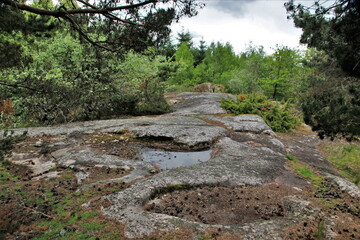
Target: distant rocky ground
[(197, 173)]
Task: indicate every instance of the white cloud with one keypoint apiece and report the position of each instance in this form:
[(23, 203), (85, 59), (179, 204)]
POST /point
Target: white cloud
[(261, 22)]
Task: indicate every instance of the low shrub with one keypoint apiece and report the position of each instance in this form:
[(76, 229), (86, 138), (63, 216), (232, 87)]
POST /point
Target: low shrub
[(280, 117)]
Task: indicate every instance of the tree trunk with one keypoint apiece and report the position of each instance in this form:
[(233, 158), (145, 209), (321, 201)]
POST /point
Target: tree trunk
[(275, 91)]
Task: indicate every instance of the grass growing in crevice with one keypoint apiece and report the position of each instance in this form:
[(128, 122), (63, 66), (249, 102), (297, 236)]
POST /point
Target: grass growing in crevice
[(321, 231), (345, 157), (304, 170)]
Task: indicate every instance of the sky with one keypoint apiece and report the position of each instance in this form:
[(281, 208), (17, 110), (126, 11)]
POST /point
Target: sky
[(239, 22)]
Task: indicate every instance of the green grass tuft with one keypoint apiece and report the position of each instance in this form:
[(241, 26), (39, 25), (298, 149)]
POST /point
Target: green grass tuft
[(291, 157), (321, 231), (304, 170)]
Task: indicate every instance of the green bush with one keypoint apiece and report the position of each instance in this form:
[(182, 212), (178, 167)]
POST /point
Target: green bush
[(68, 81), (280, 117)]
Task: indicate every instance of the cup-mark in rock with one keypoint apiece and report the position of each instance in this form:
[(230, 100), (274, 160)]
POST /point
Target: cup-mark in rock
[(171, 159)]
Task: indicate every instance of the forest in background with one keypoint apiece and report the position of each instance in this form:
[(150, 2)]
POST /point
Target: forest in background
[(55, 71)]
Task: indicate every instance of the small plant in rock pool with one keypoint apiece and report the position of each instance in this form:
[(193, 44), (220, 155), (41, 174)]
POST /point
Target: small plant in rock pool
[(280, 117)]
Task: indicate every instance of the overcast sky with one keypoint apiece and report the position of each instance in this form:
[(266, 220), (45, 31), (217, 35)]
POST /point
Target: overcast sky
[(263, 22)]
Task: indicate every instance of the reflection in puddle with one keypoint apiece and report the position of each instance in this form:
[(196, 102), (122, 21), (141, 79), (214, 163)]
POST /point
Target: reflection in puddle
[(168, 160)]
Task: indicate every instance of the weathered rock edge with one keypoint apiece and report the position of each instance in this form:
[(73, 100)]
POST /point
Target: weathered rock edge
[(188, 131)]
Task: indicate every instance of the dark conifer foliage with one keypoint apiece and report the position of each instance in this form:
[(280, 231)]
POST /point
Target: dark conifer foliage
[(331, 105), (334, 29)]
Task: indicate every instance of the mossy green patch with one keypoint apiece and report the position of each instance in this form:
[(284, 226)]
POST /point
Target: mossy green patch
[(93, 226), (87, 215), (205, 237), (5, 176), (304, 170), (291, 158)]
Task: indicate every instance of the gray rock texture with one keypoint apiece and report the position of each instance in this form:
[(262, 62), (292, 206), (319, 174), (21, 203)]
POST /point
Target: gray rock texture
[(233, 164), (243, 123), (191, 103), (346, 185), (245, 152), (86, 157), (182, 130)]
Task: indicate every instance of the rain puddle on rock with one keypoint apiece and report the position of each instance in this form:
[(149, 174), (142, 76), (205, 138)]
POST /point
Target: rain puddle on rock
[(168, 159)]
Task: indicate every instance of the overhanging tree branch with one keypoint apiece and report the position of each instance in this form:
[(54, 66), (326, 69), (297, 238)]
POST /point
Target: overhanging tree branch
[(84, 35), (109, 15), (125, 23), (62, 13), (15, 85)]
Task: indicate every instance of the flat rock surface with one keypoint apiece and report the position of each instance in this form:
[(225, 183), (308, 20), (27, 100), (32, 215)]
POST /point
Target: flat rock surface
[(183, 130), (247, 165), (191, 103), (243, 123)]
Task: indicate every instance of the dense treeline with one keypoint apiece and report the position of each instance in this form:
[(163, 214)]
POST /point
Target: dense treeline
[(276, 75), (50, 73)]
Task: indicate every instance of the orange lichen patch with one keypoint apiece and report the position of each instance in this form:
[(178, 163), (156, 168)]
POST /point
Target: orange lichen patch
[(216, 123), (253, 144), (6, 113), (241, 97), (223, 115), (6, 107)]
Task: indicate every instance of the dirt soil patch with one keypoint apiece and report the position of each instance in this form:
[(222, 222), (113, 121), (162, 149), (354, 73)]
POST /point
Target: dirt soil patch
[(125, 147), (224, 205), (104, 173)]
